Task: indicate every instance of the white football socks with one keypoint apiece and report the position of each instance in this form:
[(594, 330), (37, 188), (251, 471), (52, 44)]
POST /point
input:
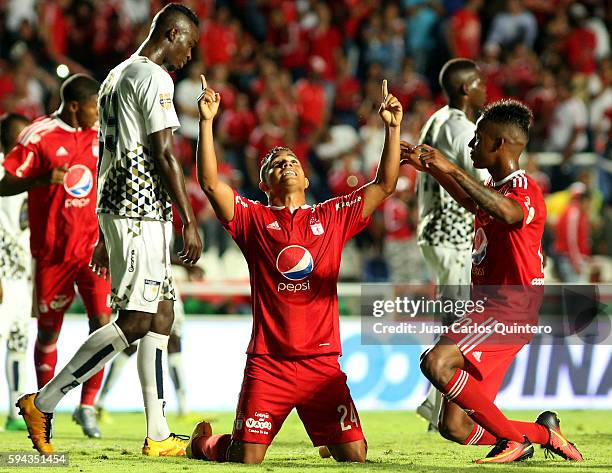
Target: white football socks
[(15, 378), (99, 348), (152, 358), (114, 373), (177, 374)]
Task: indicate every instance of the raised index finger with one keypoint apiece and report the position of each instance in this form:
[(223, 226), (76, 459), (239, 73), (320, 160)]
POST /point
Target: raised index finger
[(385, 92), (204, 84)]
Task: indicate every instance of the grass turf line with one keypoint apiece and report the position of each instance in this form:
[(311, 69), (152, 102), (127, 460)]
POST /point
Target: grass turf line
[(397, 442)]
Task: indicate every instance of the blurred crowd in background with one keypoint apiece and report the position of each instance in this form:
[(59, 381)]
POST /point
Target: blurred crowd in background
[(307, 74)]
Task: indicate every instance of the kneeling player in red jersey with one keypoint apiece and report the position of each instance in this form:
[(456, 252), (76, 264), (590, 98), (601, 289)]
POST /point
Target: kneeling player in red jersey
[(507, 259), (293, 251)]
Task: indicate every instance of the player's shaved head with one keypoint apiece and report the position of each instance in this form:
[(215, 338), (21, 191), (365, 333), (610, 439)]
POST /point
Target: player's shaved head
[(455, 74), (173, 15), (79, 88), (510, 119), (11, 125)]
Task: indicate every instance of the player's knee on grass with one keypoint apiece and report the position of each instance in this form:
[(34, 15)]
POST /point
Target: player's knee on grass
[(248, 453), (455, 425), (349, 452)]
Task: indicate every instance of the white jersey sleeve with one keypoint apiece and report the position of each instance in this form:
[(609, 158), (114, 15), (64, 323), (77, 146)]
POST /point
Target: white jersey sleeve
[(155, 95)]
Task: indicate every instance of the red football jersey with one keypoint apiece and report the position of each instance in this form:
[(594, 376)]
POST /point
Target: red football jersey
[(63, 221), (511, 254), (294, 260)]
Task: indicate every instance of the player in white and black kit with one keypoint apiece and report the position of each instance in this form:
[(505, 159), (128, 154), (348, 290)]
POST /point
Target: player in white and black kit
[(138, 179), (445, 229), (15, 276)]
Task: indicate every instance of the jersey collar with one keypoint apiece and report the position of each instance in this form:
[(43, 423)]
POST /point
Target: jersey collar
[(509, 177), (62, 124), (281, 207)]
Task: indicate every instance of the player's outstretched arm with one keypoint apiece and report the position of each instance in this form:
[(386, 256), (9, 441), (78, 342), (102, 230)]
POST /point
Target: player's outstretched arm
[(411, 156), (383, 185), (495, 204), (13, 185), (220, 194), (172, 177)]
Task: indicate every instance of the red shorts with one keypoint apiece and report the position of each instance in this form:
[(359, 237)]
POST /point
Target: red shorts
[(487, 354), (54, 291), (315, 386)]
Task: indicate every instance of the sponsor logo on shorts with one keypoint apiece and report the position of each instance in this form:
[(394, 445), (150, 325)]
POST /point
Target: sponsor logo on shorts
[(259, 423), (132, 260), (59, 301), (43, 308), (151, 290)]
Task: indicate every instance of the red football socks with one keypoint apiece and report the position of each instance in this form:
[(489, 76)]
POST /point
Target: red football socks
[(465, 392), (479, 436), (213, 448), (536, 433), (90, 389), (45, 359)]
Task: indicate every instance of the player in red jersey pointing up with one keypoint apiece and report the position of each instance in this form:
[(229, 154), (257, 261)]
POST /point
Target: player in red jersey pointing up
[(468, 366), (293, 251)]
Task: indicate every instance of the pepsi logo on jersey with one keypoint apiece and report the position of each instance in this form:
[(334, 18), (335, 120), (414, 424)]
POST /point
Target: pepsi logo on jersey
[(78, 183), (295, 263)]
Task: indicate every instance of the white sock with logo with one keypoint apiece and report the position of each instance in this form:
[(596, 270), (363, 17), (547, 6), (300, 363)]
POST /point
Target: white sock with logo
[(177, 374), (152, 357), (99, 348)]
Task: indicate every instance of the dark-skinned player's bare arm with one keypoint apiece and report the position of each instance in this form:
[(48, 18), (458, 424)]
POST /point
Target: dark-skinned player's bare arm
[(220, 194), (383, 185), (410, 156), (499, 207), (13, 185), (172, 177)]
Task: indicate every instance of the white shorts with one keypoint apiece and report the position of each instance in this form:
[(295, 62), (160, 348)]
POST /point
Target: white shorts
[(15, 309), (139, 256), (451, 268)]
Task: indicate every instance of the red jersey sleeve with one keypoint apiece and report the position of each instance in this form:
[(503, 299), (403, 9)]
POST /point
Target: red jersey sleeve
[(345, 213), (23, 161), (526, 193), (240, 226)]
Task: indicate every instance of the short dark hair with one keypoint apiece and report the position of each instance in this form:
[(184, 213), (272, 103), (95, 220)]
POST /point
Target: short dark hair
[(6, 123), (270, 155), (453, 74), (172, 9), (79, 88), (509, 112)]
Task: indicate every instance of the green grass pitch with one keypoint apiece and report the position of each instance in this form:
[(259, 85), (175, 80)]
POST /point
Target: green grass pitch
[(397, 442)]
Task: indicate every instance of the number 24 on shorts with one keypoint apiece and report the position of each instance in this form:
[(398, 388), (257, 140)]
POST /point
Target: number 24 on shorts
[(342, 409)]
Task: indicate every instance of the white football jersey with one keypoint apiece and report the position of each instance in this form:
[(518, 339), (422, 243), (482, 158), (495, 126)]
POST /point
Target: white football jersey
[(442, 221), (135, 100), (15, 259)]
